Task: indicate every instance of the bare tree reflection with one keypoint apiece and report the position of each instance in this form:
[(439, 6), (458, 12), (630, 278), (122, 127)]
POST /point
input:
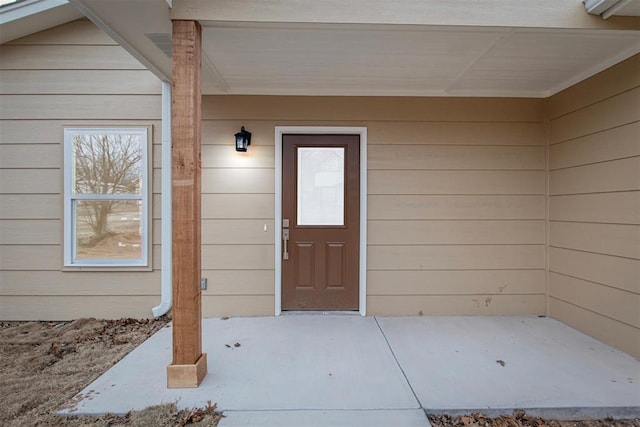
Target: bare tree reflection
[(105, 164)]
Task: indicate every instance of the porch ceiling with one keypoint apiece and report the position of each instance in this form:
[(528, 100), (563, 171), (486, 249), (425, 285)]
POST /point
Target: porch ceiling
[(343, 59), (356, 58)]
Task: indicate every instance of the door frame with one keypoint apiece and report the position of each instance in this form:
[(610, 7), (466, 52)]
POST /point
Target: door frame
[(323, 130)]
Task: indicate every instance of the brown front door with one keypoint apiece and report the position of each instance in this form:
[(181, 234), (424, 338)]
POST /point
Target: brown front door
[(321, 222)]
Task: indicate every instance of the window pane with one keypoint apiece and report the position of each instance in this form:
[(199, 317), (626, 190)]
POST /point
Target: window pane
[(320, 186), (107, 163), (108, 229)]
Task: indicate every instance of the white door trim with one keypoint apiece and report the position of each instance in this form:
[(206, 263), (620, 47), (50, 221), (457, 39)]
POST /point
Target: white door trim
[(337, 130)]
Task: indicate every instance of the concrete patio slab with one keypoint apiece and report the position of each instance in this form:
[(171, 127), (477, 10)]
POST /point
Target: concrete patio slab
[(345, 418), (281, 363), (327, 370), (463, 364)]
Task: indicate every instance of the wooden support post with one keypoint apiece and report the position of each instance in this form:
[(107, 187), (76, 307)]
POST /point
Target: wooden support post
[(189, 364)]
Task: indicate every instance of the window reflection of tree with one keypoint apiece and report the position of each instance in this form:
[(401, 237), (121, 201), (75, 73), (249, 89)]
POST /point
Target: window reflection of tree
[(105, 164)]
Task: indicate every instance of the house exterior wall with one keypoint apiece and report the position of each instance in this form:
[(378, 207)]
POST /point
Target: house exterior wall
[(475, 205), (456, 201), (594, 206), (71, 75)]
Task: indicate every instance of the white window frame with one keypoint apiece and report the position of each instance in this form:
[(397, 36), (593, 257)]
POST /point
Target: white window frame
[(70, 198)]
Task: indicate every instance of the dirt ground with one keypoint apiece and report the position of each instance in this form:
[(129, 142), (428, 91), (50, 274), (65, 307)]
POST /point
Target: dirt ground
[(521, 419), (45, 364)]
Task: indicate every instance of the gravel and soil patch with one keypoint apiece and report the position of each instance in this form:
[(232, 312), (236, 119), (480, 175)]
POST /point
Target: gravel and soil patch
[(521, 419), (44, 364)]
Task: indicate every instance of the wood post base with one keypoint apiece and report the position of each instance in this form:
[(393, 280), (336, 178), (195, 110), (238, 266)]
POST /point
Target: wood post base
[(187, 376)]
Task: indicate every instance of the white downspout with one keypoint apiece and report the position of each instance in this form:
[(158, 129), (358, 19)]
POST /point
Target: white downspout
[(166, 277)]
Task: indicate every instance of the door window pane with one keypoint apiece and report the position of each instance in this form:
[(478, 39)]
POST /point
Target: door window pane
[(320, 186)]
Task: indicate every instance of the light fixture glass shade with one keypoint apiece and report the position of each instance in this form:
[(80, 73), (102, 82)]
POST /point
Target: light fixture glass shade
[(243, 140)]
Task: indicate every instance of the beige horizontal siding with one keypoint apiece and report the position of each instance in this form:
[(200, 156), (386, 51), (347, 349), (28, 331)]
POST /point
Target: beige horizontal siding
[(605, 329), (459, 133), (238, 305), (30, 257), (51, 131), (371, 109), (76, 283), (72, 75), (240, 231), (72, 307), (239, 282), (66, 57), (455, 157), (416, 207), (216, 132), (611, 144), (457, 195), (610, 82), (608, 270), (617, 304), (594, 206), (225, 156), (30, 156), (41, 257), (455, 257), (616, 208), (236, 206), (597, 117), (463, 232), (455, 282), (237, 257), (98, 82), (455, 185), (238, 181), (156, 202), (74, 108), (608, 239), (30, 206), (31, 232), (455, 182), (30, 181), (462, 133), (455, 305), (605, 177), (80, 32)]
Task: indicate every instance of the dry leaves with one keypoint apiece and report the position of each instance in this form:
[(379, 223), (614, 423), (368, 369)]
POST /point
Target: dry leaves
[(521, 419), (45, 364)]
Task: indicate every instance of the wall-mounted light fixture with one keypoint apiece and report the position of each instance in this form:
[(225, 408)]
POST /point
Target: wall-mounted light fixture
[(243, 140)]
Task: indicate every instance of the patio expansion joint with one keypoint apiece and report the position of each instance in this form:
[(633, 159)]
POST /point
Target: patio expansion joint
[(397, 362)]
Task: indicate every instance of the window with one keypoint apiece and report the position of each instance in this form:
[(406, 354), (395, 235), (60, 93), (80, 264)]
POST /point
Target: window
[(320, 186), (106, 206)]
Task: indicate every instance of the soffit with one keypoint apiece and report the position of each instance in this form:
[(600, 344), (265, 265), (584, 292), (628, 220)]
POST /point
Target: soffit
[(307, 58), (26, 17), (628, 8), (346, 59)]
